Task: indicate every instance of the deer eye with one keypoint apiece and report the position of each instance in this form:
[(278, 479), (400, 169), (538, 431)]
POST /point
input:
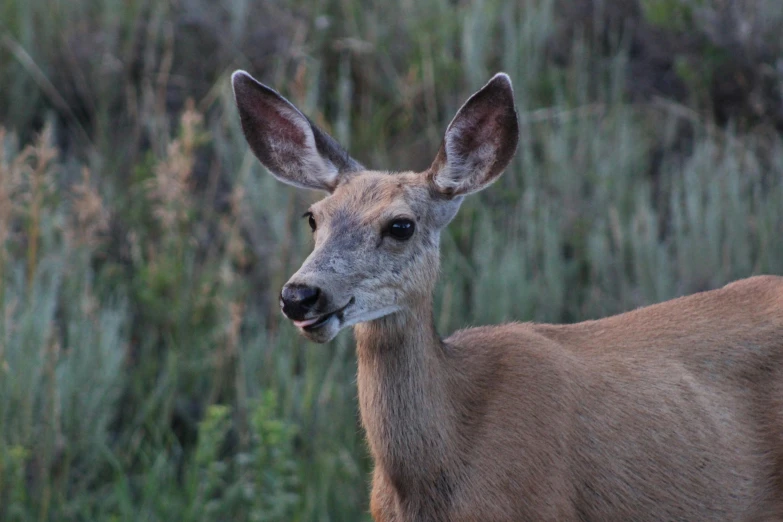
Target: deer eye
[(401, 229), (310, 220)]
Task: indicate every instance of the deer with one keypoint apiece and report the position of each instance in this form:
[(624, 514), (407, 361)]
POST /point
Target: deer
[(672, 411)]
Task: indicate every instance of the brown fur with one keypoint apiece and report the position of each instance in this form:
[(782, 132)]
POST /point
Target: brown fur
[(669, 412)]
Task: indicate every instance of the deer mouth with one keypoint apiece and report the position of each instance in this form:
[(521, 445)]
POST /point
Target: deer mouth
[(314, 323)]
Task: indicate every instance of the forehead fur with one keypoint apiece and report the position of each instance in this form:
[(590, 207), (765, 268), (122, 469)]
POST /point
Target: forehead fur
[(371, 195)]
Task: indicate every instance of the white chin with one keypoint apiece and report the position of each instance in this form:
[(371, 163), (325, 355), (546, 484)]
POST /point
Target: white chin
[(325, 332), (370, 316), (329, 330)]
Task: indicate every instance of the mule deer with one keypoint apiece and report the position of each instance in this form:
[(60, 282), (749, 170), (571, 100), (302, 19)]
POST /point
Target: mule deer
[(669, 412)]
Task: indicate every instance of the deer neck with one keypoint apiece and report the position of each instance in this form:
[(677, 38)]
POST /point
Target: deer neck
[(403, 395)]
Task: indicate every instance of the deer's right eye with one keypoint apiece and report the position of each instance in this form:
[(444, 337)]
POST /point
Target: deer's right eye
[(310, 220)]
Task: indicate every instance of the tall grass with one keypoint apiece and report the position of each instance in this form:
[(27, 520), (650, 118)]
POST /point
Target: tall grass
[(145, 373)]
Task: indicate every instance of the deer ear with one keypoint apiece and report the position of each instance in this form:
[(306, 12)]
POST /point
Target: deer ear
[(286, 142), (480, 141)]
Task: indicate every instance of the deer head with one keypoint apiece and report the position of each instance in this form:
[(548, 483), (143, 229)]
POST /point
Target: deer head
[(377, 233)]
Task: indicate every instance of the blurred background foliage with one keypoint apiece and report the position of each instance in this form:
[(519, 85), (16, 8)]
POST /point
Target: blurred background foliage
[(145, 372)]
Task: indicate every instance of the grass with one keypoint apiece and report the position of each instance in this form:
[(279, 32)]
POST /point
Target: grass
[(145, 372)]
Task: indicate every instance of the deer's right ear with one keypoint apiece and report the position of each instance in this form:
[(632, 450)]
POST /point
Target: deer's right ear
[(286, 142)]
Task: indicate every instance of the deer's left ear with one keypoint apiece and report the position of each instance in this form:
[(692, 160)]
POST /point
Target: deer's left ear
[(480, 141), (286, 142)]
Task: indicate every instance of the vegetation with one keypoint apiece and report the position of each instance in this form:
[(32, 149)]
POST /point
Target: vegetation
[(145, 372)]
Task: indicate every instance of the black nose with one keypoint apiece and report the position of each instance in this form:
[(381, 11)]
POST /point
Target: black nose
[(296, 300)]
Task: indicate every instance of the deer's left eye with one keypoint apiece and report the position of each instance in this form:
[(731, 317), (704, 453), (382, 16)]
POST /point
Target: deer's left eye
[(401, 229)]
